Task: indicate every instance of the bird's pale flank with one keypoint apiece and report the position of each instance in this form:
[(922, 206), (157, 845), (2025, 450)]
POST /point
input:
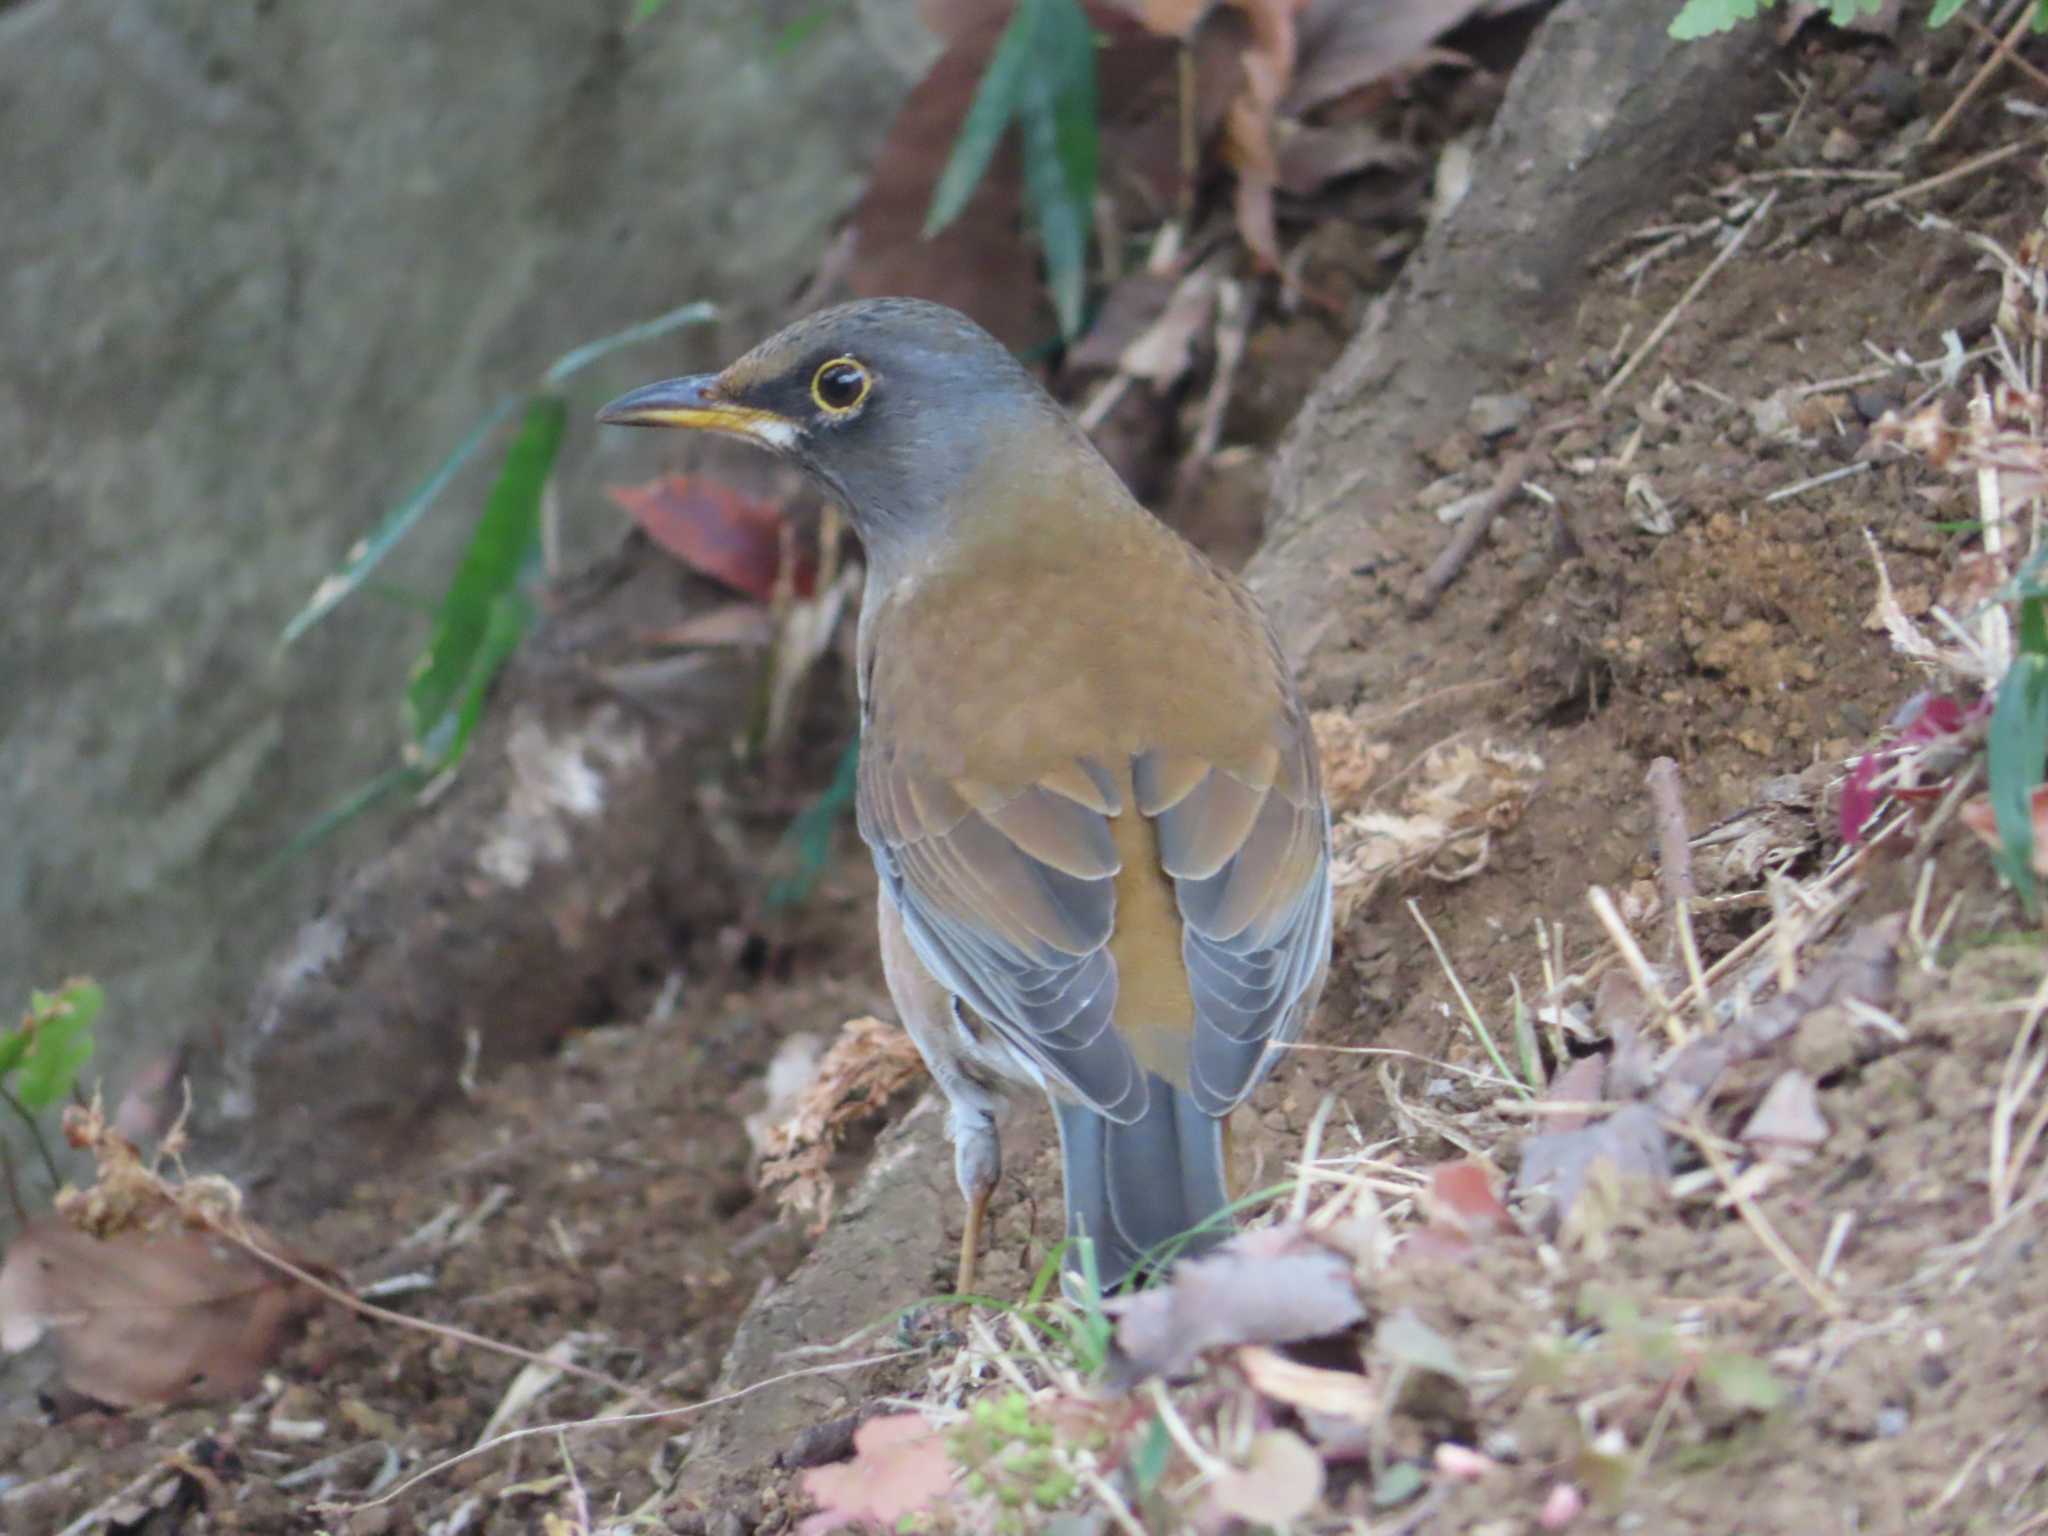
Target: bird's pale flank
[(1088, 785)]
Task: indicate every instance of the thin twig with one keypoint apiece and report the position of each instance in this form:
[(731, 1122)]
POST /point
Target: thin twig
[(1698, 286), (2003, 47), (1824, 1297), (1969, 167), (1638, 964), (1471, 530), (1813, 482), (1674, 839), (608, 1420)]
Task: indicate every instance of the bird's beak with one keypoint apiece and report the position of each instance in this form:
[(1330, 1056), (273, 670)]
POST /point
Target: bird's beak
[(697, 402)]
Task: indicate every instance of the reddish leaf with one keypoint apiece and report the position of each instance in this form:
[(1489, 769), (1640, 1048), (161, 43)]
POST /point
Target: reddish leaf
[(1859, 799), (716, 531), (899, 1469)]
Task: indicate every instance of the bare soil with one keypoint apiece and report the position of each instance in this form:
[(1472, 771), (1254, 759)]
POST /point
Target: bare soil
[(1658, 604)]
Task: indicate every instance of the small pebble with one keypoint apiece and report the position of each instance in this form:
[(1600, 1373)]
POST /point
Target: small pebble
[(1840, 146), (1494, 416)]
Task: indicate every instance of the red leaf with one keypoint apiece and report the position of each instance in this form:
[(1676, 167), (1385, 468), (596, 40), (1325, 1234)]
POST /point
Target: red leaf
[(716, 531), (1859, 800)]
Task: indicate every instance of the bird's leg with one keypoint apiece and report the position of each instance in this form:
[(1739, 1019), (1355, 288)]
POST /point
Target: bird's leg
[(978, 1165)]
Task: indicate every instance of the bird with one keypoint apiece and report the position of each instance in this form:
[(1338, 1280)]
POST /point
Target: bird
[(1089, 787)]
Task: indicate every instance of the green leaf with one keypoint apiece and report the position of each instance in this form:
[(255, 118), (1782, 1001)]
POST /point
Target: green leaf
[(470, 619), (1057, 114), (1703, 18), (995, 103), (510, 615), (1397, 1485), (370, 552), (401, 776), (13, 1046), (60, 1043), (809, 837), (2018, 749), (1944, 12), (1148, 1465), (1842, 12), (798, 32), (1742, 1382)]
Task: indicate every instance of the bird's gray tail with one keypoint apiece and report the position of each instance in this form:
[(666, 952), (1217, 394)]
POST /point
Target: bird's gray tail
[(1132, 1187)]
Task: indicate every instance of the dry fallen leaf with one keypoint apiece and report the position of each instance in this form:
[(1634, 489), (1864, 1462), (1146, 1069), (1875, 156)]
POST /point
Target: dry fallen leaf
[(900, 1468), (1351, 758), (1457, 798), (1629, 1143), (868, 1065), (1788, 1122), (144, 1317), (1310, 1388), (1279, 1483), (1277, 1285)]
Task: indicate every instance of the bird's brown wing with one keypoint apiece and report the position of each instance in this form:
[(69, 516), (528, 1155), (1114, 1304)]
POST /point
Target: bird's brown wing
[(1009, 901), (1248, 850)]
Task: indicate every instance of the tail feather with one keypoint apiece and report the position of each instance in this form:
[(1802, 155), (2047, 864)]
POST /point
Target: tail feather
[(1132, 1187)]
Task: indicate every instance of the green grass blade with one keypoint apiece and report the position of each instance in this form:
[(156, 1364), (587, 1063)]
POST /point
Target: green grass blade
[(2015, 755), (809, 837), (401, 776), (1056, 113), (370, 553), (506, 538), (576, 359), (509, 618), (988, 116)]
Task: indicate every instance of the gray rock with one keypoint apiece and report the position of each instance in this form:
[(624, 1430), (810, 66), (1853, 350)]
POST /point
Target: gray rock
[(261, 266), (1497, 415)]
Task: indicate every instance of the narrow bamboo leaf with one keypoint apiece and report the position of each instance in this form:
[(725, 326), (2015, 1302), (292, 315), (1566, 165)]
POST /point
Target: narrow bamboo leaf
[(578, 358), (400, 776), (809, 836), (1056, 113), (506, 537), (370, 552), (995, 103), (510, 616), (2015, 755)]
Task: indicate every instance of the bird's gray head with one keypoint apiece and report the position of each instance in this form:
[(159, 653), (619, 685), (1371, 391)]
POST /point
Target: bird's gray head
[(891, 404)]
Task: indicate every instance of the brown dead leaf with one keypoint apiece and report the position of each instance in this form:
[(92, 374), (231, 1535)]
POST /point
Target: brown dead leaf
[(1346, 45), (143, 1317), (1279, 1483), (1458, 797), (1277, 1285), (867, 1066), (1351, 758), (1788, 1122), (1343, 1395), (900, 1468), (1629, 1144)]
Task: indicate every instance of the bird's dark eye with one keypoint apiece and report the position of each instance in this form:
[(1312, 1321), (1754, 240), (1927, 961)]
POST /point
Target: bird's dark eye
[(840, 385)]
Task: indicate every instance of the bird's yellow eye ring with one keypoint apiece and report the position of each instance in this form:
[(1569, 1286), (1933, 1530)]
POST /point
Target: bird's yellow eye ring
[(840, 386)]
